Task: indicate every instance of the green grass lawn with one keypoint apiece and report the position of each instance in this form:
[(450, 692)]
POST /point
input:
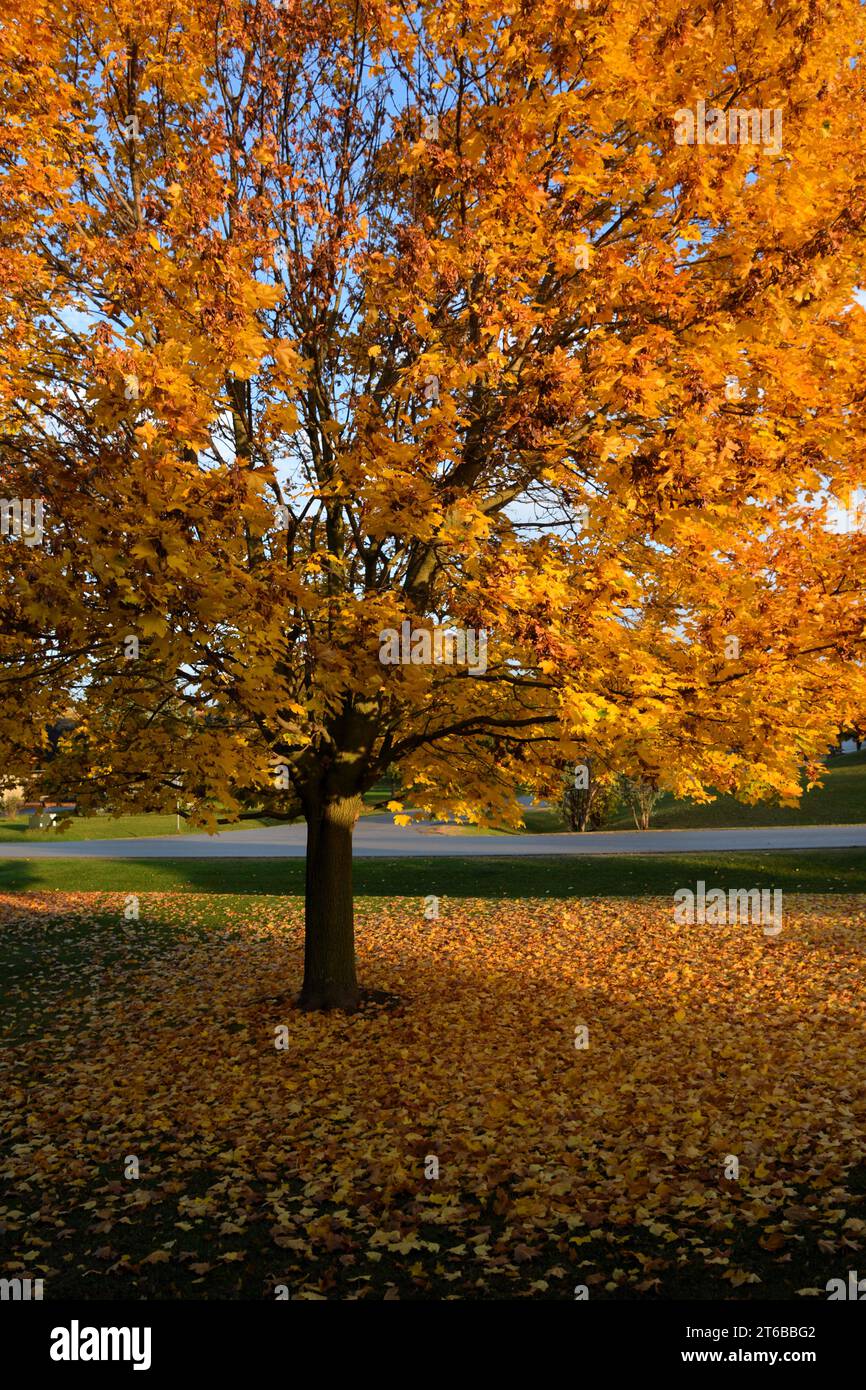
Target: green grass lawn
[(15, 829), (811, 871)]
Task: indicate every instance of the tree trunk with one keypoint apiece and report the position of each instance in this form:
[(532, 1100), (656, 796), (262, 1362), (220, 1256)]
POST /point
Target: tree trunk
[(330, 981)]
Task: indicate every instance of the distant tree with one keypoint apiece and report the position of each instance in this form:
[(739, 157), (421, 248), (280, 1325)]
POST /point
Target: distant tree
[(641, 794), (589, 796)]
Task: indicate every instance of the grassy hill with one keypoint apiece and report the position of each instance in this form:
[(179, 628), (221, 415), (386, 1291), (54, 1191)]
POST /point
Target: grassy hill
[(840, 801)]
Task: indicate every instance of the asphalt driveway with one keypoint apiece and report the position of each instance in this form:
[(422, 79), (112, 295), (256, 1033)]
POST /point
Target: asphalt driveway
[(377, 837)]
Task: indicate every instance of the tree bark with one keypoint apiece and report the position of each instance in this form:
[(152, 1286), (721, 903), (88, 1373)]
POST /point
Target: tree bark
[(330, 981)]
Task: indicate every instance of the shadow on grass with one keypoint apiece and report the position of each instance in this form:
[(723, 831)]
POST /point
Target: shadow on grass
[(803, 871)]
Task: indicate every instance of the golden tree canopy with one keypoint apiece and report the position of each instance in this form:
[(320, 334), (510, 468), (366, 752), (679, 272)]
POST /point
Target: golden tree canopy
[(325, 318)]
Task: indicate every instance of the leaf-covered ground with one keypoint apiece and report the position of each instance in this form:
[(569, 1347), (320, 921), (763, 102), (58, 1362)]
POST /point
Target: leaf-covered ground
[(558, 1165)]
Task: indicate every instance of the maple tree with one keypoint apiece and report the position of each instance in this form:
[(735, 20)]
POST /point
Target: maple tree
[(324, 318)]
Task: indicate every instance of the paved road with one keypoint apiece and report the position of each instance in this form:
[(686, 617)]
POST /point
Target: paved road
[(376, 837)]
